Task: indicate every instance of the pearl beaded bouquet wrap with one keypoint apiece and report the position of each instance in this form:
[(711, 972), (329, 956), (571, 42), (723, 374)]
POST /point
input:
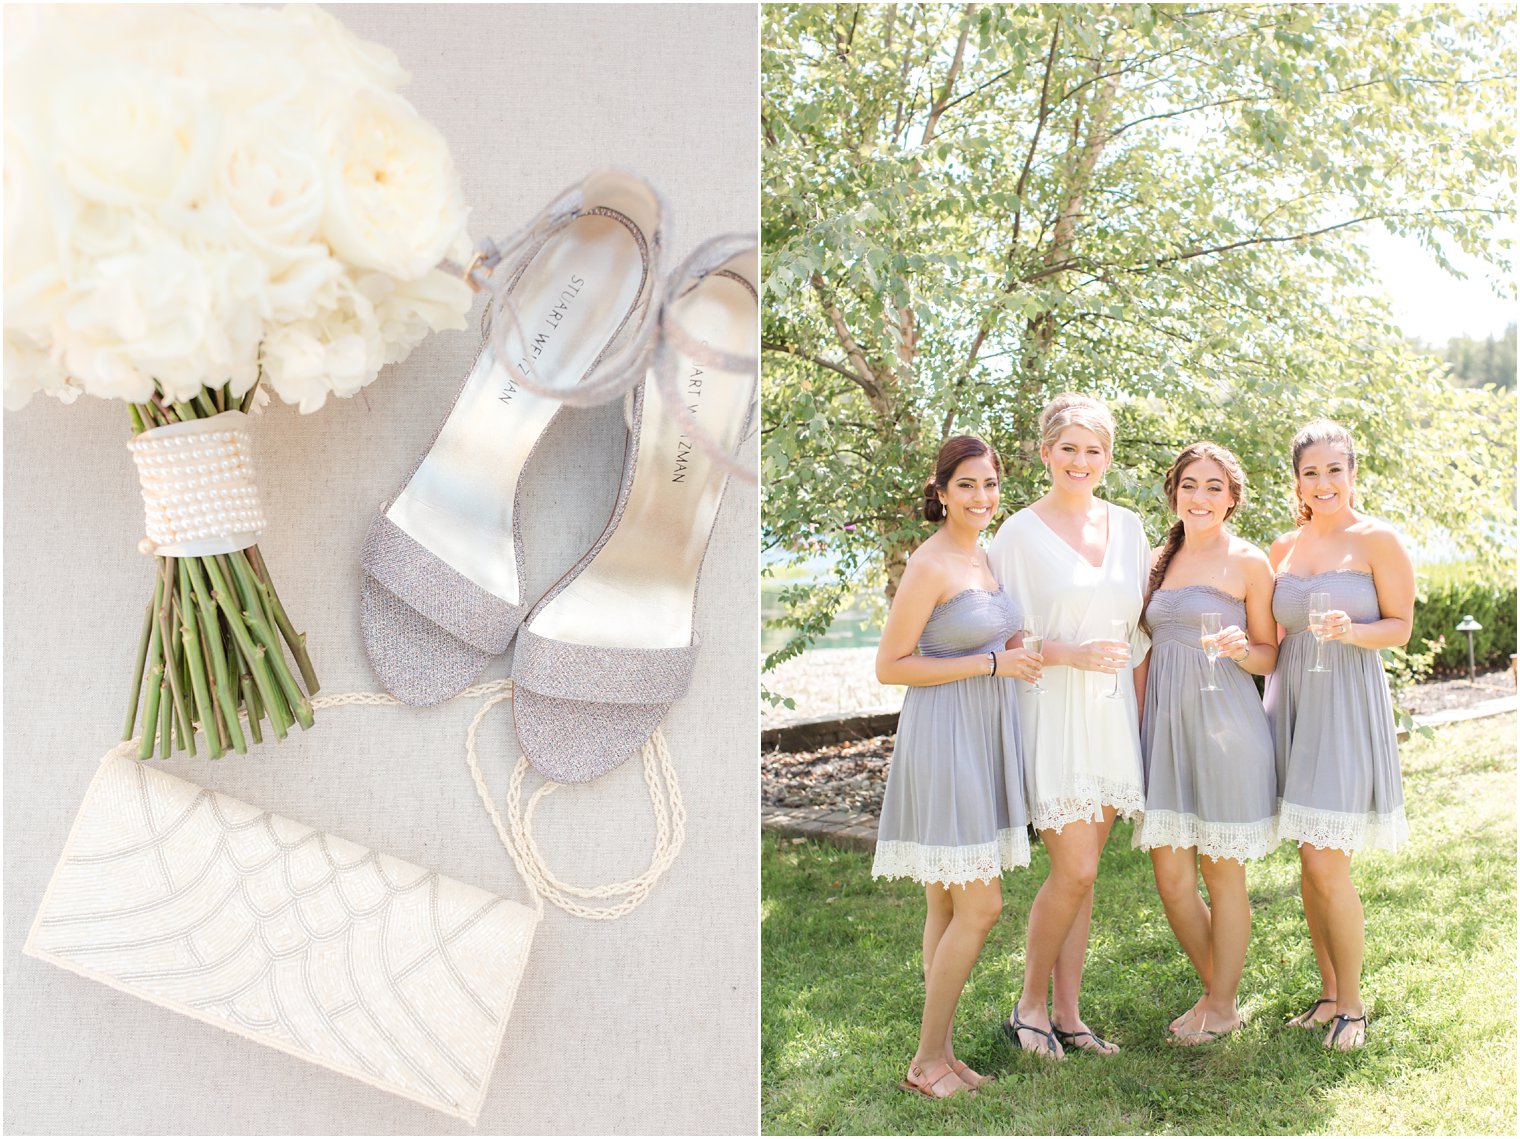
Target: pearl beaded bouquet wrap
[(204, 206)]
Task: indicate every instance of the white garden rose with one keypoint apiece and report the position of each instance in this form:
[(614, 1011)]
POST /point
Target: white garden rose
[(195, 192), (394, 202), (409, 310), (37, 211), (126, 137), (31, 367), (338, 351), (328, 48), (269, 179)]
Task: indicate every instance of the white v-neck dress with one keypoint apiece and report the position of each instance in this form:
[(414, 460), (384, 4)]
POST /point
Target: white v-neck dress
[(1081, 748)]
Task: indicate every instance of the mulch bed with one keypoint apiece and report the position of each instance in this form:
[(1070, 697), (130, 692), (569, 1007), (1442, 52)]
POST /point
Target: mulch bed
[(852, 776)]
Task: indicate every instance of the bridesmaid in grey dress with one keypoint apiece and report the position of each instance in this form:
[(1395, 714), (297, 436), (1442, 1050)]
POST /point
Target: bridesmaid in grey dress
[(1337, 755), (1210, 780), (953, 816)]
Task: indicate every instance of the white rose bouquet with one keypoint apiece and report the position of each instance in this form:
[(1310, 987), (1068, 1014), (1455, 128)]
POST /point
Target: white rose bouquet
[(202, 203)]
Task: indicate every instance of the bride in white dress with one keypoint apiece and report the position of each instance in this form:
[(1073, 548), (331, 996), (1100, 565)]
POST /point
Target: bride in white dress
[(1081, 564)]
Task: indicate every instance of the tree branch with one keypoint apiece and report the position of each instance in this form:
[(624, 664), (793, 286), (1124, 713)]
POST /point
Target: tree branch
[(865, 375), (943, 101), (1039, 124), (793, 350)]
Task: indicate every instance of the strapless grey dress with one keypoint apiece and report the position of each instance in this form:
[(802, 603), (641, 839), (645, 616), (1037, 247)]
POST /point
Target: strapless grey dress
[(1337, 753), (1210, 777), (953, 811)]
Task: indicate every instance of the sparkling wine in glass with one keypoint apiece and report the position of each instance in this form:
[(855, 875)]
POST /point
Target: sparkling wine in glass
[(1034, 641), (1118, 630), (1319, 603), (1209, 638)]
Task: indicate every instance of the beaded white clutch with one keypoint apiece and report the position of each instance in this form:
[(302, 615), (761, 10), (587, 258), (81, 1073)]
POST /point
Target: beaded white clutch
[(351, 959)]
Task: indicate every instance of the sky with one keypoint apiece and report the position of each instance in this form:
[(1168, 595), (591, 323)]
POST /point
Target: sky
[(1431, 304)]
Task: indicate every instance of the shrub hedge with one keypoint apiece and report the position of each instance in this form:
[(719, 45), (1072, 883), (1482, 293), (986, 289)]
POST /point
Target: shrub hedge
[(1445, 595)]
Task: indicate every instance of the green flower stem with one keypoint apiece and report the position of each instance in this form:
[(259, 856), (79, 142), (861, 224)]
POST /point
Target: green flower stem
[(255, 710), (204, 405), (142, 660), (263, 631), (217, 698), (198, 678), (155, 679), (224, 684), (296, 641), (172, 654), (165, 721), (253, 654), (214, 637), (279, 710)]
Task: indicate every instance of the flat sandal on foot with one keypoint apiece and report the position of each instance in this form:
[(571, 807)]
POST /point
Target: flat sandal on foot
[(969, 1076), (1095, 1042), (1203, 1034), (918, 1081), (1341, 1023), (602, 657), (1305, 1018), (443, 591), (1012, 1027)]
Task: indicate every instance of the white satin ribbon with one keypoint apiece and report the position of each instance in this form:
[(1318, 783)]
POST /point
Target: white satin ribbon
[(196, 478)]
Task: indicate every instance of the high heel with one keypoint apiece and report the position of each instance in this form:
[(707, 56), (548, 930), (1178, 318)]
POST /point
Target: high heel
[(607, 650), (573, 322)]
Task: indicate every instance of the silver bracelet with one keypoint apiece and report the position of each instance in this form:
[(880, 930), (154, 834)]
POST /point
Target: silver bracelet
[(993, 655)]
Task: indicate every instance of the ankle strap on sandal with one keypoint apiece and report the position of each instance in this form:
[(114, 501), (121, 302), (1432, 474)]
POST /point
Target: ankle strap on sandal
[(497, 267)]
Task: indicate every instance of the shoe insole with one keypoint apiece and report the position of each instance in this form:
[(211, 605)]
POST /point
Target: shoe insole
[(638, 591), (571, 300)]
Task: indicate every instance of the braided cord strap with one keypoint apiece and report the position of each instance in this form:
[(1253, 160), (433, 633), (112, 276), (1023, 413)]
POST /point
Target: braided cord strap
[(516, 832)]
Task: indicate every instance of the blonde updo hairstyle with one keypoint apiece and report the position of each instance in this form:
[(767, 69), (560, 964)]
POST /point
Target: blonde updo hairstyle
[(955, 451), (1331, 434), (1072, 410)]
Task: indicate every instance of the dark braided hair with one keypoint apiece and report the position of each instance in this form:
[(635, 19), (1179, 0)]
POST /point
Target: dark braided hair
[(955, 451), (1321, 431), (1235, 481)]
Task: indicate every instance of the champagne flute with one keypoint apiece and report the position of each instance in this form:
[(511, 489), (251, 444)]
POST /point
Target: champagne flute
[(1319, 603), (1209, 638), (1118, 630), (1034, 641)]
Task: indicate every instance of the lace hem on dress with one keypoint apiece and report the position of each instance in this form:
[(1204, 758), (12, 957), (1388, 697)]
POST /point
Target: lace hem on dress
[(1240, 841), (952, 865), (1342, 830), (1084, 802)]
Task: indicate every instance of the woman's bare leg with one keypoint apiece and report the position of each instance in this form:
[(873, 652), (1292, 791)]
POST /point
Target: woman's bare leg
[(974, 910), (1327, 877), (1065, 894), (1230, 933), (1177, 882)]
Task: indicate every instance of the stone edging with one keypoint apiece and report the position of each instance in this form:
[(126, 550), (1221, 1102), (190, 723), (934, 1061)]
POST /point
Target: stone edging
[(842, 828), (856, 831)]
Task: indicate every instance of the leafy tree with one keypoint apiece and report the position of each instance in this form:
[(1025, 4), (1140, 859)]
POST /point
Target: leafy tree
[(967, 209), (1488, 361)]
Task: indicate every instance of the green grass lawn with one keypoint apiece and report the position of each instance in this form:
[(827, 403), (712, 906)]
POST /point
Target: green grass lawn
[(842, 991)]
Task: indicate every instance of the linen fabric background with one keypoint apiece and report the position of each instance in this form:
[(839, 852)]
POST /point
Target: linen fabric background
[(647, 1024)]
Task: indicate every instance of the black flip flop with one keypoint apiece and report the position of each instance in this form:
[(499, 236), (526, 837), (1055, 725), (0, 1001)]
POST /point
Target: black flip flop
[(1099, 1045), (1303, 1017), (1343, 1021), (1011, 1030)]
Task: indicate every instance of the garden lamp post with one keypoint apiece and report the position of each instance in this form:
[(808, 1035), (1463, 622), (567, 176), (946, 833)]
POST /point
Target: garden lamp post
[(1469, 626)]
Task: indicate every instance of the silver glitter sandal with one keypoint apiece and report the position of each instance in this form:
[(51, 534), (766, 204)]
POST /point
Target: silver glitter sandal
[(607, 651), (571, 320)]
